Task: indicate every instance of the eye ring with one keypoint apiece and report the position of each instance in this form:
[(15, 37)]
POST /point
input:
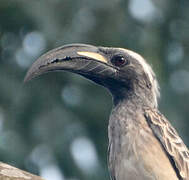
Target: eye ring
[(119, 60)]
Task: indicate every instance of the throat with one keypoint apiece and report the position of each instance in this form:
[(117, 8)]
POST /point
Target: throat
[(124, 109), (126, 114), (136, 98)]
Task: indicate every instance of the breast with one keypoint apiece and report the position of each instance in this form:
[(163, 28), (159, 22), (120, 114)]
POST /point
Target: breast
[(136, 154)]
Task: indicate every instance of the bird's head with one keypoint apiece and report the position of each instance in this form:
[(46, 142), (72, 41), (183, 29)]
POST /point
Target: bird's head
[(123, 72)]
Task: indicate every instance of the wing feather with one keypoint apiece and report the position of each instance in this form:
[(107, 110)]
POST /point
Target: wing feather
[(175, 148)]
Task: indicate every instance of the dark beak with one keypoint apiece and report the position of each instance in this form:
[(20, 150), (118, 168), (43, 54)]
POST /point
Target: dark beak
[(82, 59)]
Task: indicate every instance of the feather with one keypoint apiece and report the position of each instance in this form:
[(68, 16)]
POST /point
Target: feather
[(173, 145)]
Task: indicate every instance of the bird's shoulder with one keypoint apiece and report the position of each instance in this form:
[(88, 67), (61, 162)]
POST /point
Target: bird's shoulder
[(173, 145)]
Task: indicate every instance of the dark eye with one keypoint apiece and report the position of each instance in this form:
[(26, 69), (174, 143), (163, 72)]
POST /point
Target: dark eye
[(119, 60)]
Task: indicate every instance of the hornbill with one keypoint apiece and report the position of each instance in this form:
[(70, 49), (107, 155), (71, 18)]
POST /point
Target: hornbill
[(142, 143)]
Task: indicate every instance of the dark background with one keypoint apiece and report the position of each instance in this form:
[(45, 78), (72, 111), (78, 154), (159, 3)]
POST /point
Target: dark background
[(56, 125)]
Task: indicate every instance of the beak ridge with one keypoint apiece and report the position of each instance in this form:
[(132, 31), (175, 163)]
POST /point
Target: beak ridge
[(70, 57)]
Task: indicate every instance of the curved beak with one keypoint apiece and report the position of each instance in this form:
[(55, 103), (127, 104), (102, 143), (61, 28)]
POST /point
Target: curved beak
[(86, 60)]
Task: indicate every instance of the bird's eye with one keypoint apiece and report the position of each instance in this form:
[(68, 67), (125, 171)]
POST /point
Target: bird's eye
[(119, 61)]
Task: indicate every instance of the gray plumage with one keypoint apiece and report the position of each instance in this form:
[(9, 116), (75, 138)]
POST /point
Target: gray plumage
[(142, 143)]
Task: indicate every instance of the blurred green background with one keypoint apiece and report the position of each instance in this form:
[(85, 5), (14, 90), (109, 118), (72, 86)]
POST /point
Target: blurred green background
[(56, 125)]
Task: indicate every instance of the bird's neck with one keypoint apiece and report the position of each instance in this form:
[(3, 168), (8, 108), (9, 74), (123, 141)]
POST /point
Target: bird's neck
[(133, 100), (137, 96), (124, 113), (124, 120), (128, 107)]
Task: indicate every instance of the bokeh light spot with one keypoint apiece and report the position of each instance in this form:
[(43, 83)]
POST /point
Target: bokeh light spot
[(72, 95), (34, 43), (143, 10), (84, 154), (22, 59), (51, 171)]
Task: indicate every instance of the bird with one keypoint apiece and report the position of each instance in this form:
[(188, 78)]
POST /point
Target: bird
[(143, 145)]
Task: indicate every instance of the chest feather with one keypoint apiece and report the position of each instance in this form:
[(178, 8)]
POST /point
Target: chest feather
[(135, 153)]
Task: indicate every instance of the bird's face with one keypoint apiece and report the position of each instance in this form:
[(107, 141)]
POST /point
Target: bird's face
[(119, 70)]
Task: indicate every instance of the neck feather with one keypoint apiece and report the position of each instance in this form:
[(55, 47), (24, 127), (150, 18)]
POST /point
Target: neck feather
[(138, 97)]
